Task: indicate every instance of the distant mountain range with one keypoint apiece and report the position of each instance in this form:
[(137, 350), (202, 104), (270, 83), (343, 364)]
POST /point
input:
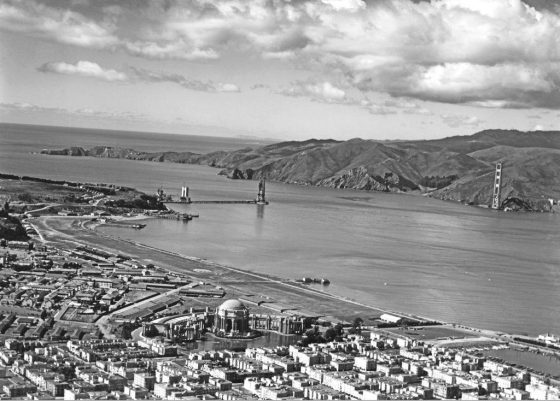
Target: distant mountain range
[(457, 168)]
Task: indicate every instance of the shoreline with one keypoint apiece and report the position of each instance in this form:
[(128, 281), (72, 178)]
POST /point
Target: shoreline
[(284, 291), (202, 267), (264, 276), (483, 334), (208, 266)]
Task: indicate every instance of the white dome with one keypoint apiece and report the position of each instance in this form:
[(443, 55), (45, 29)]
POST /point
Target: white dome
[(232, 304)]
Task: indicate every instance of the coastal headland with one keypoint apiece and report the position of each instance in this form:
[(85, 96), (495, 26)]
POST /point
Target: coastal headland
[(459, 168)]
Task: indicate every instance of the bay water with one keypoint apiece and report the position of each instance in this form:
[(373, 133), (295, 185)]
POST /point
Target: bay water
[(407, 253)]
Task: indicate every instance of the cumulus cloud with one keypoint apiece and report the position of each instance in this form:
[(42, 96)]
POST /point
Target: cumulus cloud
[(84, 69), (93, 70), (501, 85), (457, 120), (62, 25), (499, 53), (107, 31), (318, 91)]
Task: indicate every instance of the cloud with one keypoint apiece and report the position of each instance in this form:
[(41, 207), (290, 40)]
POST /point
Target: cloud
[(176, 50), (260, 86), (499, 53), (61, 25), (324, 92), (143, 75), (220, 87), (83, 69), (406, 106), (327, 92), (456, 120), (93, 70), (108, 31), (83, 112), (500, 85)]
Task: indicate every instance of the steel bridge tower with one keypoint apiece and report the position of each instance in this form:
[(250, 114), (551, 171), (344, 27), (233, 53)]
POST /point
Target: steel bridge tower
[(261, 194), (497, 186)]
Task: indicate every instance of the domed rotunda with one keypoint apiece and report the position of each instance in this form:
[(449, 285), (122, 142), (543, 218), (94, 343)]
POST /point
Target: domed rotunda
[(232, 319)]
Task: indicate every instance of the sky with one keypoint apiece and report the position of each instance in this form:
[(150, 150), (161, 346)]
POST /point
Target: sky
[(283, 69)]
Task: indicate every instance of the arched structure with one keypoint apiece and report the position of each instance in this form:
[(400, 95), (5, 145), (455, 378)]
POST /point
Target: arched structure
[(232, 319)]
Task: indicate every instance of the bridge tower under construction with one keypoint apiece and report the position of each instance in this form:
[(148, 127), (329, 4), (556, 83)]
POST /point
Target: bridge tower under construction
[(185, 194), (497, 186), (261, 199)]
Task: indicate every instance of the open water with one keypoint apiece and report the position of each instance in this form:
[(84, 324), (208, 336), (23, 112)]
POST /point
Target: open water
[(408, 253)]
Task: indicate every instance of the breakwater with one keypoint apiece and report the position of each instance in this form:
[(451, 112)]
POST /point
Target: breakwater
[(219, 202)]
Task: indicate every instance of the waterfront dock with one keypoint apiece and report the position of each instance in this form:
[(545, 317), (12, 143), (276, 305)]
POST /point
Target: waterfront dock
[(217, 202), (177, 216)]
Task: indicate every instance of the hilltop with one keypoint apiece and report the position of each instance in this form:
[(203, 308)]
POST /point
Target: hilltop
[(457, 168)]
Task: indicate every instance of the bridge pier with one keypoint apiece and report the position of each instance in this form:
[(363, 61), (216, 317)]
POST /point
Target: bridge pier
[(497, 186)]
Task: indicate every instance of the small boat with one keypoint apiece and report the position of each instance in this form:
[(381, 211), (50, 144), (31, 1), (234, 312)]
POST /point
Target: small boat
[(138, 226), (309, 280)]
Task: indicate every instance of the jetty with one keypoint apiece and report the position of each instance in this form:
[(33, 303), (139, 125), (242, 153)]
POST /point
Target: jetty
[(177, 216), (186, 199), (218, 202)]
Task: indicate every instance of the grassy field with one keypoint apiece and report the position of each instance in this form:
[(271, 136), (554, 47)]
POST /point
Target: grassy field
[(36, 192), (432, 332)]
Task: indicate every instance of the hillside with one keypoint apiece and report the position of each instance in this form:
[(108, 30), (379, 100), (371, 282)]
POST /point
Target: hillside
[(458, 168)]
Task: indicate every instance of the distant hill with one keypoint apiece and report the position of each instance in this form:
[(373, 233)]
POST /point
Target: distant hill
[(457, 168)]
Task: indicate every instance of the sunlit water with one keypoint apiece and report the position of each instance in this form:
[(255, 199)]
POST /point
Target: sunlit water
[(432, 258)]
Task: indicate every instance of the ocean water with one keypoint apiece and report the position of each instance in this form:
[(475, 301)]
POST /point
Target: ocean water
[(424, 256)]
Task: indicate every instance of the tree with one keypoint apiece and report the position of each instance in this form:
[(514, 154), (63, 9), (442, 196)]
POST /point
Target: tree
[(339, 329), (313, 332), (125, 330), (25, 197), (330, 334), (151, 331), (308, 321), (312, 336), (357, 324)]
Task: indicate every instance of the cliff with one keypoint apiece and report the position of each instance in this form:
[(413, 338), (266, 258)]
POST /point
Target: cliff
[(457, 168)]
